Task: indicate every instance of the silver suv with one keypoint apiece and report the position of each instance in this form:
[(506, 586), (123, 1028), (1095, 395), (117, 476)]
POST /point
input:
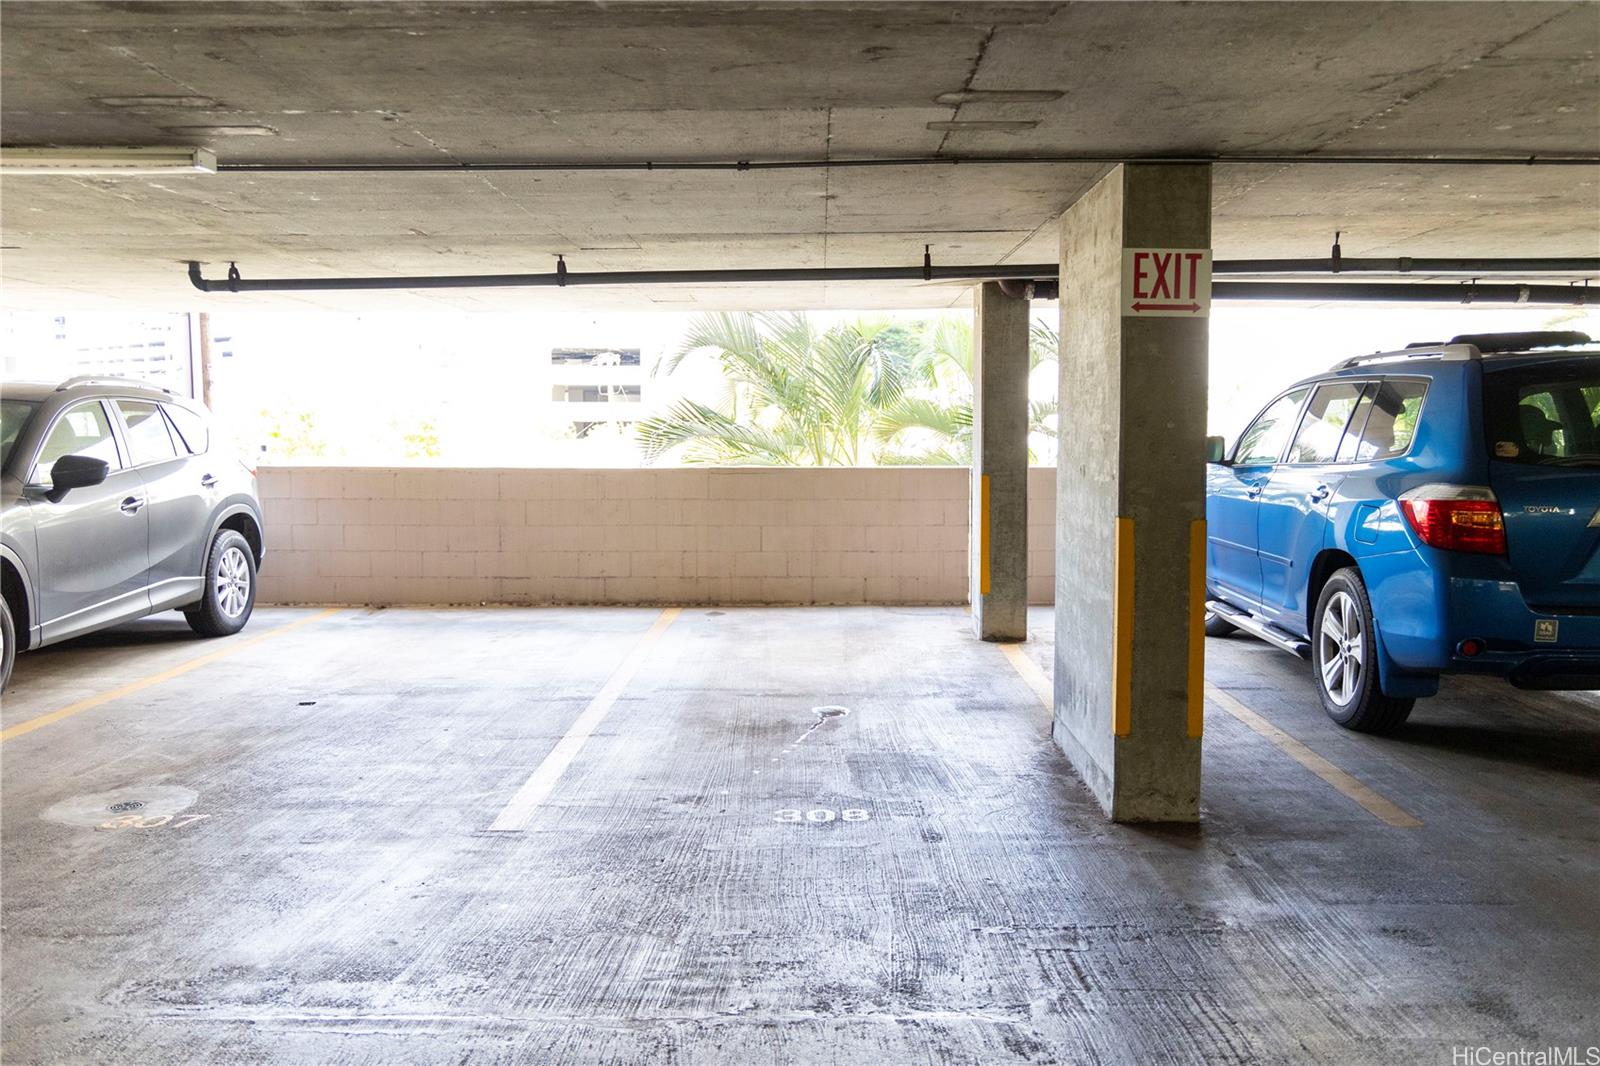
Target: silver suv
[(113, 505)]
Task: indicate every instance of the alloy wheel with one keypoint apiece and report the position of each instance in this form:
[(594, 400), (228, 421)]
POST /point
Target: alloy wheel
[(233, 582), (1341, 648)]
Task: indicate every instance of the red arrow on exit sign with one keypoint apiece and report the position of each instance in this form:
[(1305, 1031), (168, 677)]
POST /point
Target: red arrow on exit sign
[(1188, 308)]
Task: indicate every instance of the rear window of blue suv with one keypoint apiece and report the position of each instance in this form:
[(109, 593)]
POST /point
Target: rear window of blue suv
[(1543, 414)]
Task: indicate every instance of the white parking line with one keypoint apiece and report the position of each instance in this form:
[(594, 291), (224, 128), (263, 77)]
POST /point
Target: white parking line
[(542, 781)]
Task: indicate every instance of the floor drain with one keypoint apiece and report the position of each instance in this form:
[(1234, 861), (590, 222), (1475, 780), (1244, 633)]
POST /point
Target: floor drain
[(143, 801), (823, 714)]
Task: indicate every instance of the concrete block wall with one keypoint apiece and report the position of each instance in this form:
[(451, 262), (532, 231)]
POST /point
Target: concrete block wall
[(759, 535), (1041, 534)]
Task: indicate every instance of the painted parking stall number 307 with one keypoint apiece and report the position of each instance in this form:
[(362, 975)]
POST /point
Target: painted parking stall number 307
[(155, 821), (821, 815)]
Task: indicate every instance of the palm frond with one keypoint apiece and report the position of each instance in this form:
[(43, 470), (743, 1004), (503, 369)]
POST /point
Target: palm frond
[(717, 437), (1042, 417), (1044, 344), (938, 457), (950, 421), (720, 331), (951, 343)]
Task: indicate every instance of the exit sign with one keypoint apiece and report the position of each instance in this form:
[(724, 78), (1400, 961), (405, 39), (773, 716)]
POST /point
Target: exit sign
[(1166, 282)]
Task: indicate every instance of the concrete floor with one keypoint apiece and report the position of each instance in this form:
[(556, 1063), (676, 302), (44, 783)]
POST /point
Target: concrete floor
[(328, 888)]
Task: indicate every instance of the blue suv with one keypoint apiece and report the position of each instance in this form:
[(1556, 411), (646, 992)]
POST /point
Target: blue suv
[(1414, 513)]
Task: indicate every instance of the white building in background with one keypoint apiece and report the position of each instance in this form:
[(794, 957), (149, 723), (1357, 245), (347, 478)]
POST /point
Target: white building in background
[(537, 389), (159, 349), (596, 388)]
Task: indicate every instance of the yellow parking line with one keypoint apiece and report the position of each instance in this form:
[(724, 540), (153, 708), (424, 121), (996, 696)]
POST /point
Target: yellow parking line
[(1031, 674), (1380, 808), (233, 647)]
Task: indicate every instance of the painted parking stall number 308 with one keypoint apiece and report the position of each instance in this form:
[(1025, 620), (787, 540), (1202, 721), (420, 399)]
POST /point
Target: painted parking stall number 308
[(821, 815)]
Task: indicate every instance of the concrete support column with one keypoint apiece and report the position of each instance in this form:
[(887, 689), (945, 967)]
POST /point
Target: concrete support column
[(1130, 507), (999, 465)]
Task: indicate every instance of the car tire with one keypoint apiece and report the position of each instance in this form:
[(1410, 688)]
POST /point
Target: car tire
[(1344, 658), (8, 644), (230, 588), (1218, 626)]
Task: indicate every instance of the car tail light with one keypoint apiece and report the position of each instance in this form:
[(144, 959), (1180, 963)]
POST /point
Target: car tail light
[(1462, 518)]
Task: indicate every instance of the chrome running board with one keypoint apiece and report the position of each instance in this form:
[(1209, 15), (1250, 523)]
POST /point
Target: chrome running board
[(1268, 632)]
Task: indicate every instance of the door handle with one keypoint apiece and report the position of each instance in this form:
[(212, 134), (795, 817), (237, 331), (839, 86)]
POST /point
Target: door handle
[(131, 505), (1320, 493), (208, 482), (1254, 492)]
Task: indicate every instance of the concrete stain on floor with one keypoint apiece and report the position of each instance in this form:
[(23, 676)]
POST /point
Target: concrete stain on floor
[(725, 874)]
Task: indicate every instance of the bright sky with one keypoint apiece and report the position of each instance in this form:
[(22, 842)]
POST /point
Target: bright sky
[(1258, 349), (366, 389)]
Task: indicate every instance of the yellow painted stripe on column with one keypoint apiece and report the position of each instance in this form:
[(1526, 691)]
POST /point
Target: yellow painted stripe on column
[(983, 534), (1197, 627), (1122, 630)]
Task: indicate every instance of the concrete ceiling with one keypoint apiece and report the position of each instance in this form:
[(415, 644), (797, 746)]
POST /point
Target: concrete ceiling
[(429, 82)]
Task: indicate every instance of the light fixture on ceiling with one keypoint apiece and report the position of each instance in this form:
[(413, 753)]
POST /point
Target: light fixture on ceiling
[(220, 131), (958, 125), (113, 161), (159, 103), (999, 96)]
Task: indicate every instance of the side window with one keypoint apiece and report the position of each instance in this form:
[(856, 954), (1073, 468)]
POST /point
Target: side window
[(191, 428), (83, 430), (1324, 423), (1392, 422), (1358, 421), (148, 439), (1263, 442)]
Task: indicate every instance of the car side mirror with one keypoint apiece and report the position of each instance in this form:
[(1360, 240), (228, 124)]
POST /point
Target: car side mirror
[(75, 472), (1216, 447)]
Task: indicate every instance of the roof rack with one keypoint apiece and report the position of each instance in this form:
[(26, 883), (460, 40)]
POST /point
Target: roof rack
[(95, 379), (1516, 342), (1473, 346), (1449, 353)]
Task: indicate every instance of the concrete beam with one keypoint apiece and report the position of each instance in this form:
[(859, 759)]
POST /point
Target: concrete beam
[(999, 465), (1130, 503)]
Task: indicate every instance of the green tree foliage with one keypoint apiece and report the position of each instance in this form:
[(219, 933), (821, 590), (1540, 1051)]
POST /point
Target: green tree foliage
[(423, 441), (861, 393), (796, 395), (293, 435), (933, 425)]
